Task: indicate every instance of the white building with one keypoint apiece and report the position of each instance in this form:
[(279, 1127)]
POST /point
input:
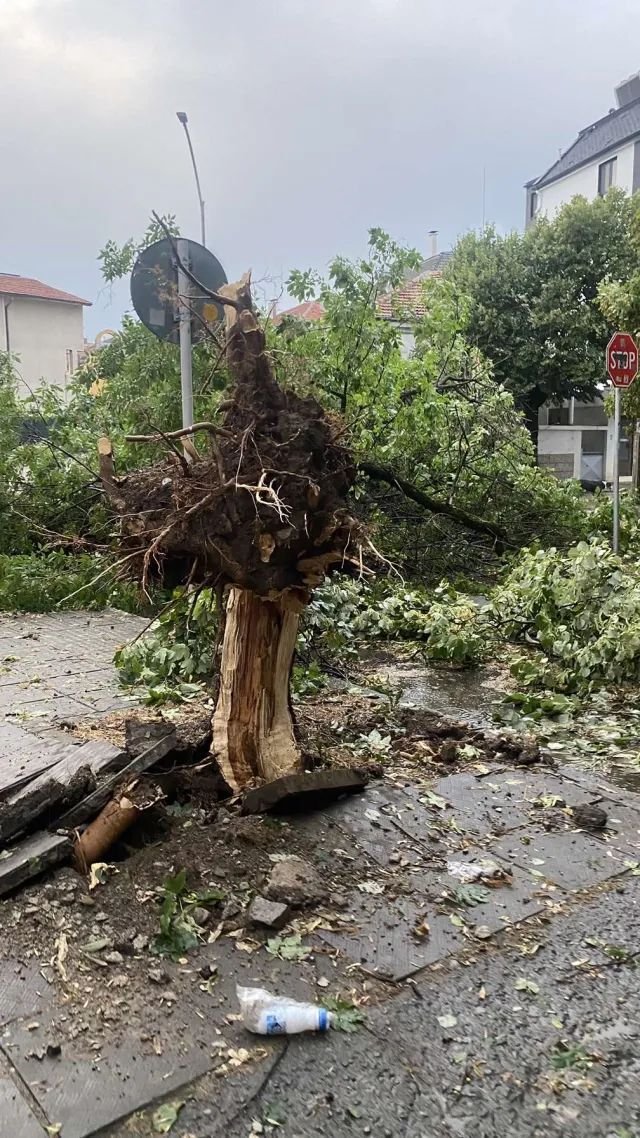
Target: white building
[(42, 328), (576, 440), (605, 154)]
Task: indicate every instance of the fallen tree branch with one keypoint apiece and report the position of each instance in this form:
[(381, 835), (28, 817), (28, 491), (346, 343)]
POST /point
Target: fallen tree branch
[(164, 435), (470, 521)]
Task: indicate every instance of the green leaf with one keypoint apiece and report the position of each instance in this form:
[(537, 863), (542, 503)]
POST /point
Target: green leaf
[(288, 948), (166, 1116), (471, 895), (447, 1021), (345, 1016), (529, 986)]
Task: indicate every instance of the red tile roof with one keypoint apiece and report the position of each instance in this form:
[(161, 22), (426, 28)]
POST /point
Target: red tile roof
[(13, 285), (407, 301), (403, 303), (308, 310)]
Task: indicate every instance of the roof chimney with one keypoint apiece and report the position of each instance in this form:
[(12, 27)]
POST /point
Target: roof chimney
[(628, 90), (433, 234)]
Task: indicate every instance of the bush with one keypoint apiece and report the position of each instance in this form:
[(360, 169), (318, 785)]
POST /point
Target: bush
[(42, 582)]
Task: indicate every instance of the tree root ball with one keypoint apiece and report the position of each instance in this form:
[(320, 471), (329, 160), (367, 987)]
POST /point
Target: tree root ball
[(265, 509)]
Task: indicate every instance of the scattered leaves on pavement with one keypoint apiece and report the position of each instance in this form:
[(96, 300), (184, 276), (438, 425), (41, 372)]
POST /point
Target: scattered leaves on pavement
[(288, 947), (166, 1115), (529, 986), (447, 1021), (471, 895), (345, 1016)]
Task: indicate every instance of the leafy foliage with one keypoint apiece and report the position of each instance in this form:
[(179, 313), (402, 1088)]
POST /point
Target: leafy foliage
[(581, 607), (178, 930), (437, 418), (534, 308), (40, 583), (176, 652), (345, 1016), (288, 947), (619, 299), (116, 261)]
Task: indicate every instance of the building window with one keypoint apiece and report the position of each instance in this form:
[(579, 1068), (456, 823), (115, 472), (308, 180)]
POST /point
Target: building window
[(560, 416), (69, 366), (606, 176), (533, 204)]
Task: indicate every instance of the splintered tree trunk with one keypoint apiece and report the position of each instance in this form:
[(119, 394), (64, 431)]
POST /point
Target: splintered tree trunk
[(253, 738)]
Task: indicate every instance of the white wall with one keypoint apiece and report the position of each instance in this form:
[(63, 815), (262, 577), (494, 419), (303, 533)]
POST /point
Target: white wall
[(585, 181), (565, 441), (40, 334)]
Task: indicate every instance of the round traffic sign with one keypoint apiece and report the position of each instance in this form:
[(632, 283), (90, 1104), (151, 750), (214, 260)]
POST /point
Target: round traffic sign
[(154, 288), (622, 359)]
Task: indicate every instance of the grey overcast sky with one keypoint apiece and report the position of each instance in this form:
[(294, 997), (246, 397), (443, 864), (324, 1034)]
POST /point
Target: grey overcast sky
[(312, 119)]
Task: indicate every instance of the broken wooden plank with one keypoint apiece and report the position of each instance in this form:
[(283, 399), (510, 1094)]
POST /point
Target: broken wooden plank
[(60, 785), (297, 792), (31, 857), (94, 802), (23, 756)]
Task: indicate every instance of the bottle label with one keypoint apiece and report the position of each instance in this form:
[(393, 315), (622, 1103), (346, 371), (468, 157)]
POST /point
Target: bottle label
[(275, 1025)]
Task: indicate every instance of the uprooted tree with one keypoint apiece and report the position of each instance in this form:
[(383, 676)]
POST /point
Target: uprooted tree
[(262, 517)]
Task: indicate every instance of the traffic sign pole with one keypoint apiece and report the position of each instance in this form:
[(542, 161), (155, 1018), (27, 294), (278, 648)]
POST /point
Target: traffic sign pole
[(621, 361), (186, 373), (616, 471)]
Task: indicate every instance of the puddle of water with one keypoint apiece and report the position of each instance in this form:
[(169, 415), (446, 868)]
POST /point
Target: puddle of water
[(471, 697)]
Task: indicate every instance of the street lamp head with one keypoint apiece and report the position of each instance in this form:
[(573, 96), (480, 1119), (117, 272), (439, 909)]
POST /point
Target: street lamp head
[(182, 117)]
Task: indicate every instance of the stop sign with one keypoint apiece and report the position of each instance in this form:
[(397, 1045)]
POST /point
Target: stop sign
[(622, 359)]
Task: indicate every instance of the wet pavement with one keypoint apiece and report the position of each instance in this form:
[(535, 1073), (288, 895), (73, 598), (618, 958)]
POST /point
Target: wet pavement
[(512, 1010)]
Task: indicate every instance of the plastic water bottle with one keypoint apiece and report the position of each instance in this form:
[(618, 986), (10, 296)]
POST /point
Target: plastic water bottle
[(266, 1014)]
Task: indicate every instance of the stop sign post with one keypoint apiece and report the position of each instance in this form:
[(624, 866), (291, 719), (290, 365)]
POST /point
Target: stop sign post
[(622, 369)]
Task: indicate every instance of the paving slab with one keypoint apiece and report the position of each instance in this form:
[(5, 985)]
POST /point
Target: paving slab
[(623, 828), (375, 829), (85, 1092), (16, 1117), (31, 857), (497, 802), (381, 934), (23, 990), (334, 1084), (571, 859)]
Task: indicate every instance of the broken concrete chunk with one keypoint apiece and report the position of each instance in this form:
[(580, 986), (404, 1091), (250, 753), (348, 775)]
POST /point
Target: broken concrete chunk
[(294, 882), (271, 914)]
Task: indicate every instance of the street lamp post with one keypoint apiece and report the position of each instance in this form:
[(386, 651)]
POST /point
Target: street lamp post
[(182, 117)]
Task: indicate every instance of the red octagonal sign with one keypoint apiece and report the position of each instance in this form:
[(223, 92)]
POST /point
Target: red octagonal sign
[(622, 359)]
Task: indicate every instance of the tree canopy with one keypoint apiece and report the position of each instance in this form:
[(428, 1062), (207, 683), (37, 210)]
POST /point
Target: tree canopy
[(533, 307)]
